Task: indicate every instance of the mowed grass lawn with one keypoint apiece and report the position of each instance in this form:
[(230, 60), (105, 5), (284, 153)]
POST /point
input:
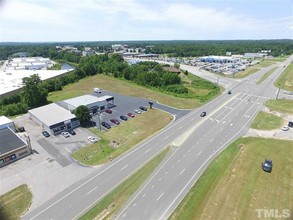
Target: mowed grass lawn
[(15, 203), (266, 121), (234, 185), (121, 138), (280, 105), (86, 85), (285, 81)]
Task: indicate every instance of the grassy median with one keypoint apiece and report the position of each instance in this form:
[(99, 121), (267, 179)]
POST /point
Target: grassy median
[(266, 75), (108, 206), (121, 138), (15, 203), (234, 185), (285, 81), (266, 121)]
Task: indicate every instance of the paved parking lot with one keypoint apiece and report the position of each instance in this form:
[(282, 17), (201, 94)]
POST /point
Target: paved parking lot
[(127, 104)]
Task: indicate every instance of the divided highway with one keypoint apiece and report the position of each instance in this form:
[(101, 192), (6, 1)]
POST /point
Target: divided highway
[(196, 141)]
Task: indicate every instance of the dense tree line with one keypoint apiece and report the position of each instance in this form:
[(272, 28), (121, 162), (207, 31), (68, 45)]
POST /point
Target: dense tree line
[(149, 74)]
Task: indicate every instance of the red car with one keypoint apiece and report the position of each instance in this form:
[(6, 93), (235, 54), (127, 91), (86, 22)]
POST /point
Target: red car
[(130, 115), (109, 111), (115, 121)]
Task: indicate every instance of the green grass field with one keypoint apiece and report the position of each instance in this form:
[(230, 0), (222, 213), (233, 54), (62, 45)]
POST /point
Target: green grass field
[(121, 138), (86, 85), (280, 105), (266, 121), (108, 206), (266, 75), (234, 185), (15, 203), (285, 81)]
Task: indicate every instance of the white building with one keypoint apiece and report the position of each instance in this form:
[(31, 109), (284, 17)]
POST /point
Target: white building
[(53, 118), (6, 122), (93, 103)]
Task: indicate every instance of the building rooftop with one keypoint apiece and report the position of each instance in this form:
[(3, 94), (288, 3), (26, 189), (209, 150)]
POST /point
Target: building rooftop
[(86, 100), (9, 141), (4, 120), (51, 114)]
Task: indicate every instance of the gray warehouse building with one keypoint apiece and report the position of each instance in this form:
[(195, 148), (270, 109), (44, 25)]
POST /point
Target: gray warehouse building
[(53, 118), (12, 147), (93, 103)]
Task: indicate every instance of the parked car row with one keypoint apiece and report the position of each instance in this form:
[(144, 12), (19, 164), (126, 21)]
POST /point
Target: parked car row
[(122, 117), (64, 133)]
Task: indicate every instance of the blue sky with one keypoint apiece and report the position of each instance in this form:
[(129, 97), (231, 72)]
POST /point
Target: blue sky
[(107, 20)]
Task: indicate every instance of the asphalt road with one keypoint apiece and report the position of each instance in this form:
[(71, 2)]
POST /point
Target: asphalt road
[(196, 141)]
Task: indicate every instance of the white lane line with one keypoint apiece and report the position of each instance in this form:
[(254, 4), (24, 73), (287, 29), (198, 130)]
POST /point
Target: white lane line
[(134, 204), (211, 140), (211, 119), (123, 215), (124, 167), (144, 195), (153, 186), (182, 172), (204, 163), (247, 116), (160, 179), (91, 191), (147, 150), (160, 196), (165, 137), (178, 161), (231, 124), (166, 172), (68, 150), (199, 153), (224, 122), (217, 121)]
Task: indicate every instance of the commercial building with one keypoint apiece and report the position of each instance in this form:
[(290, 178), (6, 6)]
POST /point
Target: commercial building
[(53, 118), (6, 122), (93, 103), (12, 147)]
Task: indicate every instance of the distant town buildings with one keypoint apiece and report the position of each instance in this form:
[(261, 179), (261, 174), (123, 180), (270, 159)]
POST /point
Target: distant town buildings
[(29, 63)]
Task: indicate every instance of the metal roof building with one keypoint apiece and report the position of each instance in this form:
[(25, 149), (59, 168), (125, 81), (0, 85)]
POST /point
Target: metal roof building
[(53, 118), (12, 147), (93, 103)]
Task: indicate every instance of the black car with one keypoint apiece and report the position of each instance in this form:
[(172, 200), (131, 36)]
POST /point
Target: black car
[(72, 132), (123, 117), (106, 125), (21, 129), (267, 166), (229, 92), (143, 108), (46, 134), (203, 114)]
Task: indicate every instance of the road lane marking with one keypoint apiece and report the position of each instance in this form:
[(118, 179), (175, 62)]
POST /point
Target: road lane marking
[(147, 150), (231, 124), (204, 163), (134, 204), (123, 215), (160, 179), (91, 191), (182, 172), (144, 195), (68, 150), (152, 186), (160, 196), (178, 161), (166, 172), (211, 140), (165, 137), (124, 167), (199, 153)]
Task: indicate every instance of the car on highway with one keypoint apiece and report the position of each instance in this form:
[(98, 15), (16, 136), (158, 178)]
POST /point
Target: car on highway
[(109, 111), (285, 128), (229, 92), (46, 134), (143, 108), (203, 114), (106, 125), (115, 121), (137, 111), (72, 132), (123, 117), (267, 165), (130, 115), (92, 139), (65, 134)]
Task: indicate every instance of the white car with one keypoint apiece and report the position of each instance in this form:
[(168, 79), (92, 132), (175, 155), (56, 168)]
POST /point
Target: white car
[(92, 139), (285, 128), (65, 134), (137, 111)]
